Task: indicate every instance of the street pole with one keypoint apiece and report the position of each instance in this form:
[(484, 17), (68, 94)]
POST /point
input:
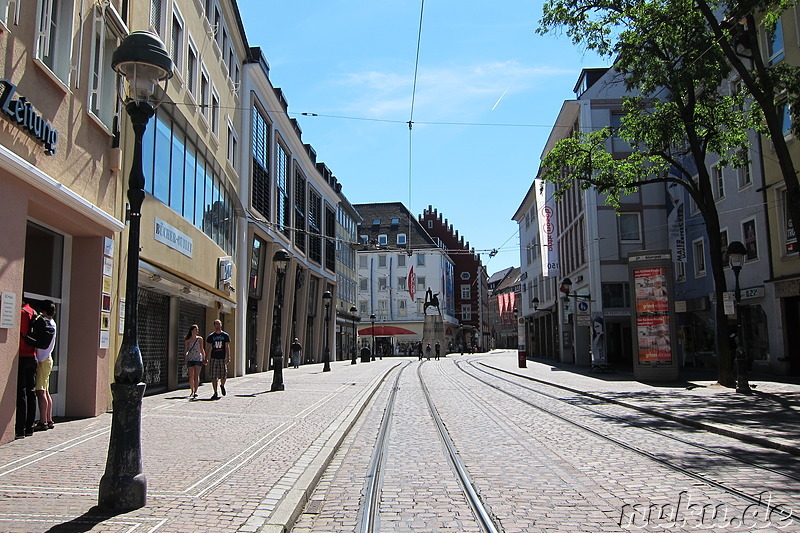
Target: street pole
[(281, 260), (353, 311), (142, 60), (372, 319), (326, 352), (736, 255)]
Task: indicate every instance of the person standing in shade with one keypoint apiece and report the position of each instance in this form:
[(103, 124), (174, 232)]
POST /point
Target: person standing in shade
[(194, 357), (438, 350), (26, 377), (428, 351), (219, 350), (44, 365), (297, 350)]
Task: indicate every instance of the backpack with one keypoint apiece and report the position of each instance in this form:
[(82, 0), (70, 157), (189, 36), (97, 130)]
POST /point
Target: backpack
[(40, 332)]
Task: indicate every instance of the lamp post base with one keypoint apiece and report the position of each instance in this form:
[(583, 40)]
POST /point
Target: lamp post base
[(277, 374), (123, 487), (742, 385)]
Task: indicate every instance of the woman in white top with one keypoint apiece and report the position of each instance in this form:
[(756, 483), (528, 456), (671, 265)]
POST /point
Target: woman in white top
[(194, 357)]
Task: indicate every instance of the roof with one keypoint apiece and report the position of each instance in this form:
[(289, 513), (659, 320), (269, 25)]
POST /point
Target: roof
[(497, 277), (384, 213)]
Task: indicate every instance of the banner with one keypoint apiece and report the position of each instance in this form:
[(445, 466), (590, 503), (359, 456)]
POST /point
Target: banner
[(676, 223), (412, 283), (548, 235)]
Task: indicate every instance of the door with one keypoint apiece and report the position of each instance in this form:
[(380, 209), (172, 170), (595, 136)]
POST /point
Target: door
[(43, 279)]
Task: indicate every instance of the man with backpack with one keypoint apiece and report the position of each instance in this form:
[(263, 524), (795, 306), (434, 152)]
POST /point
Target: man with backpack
[(45, 366), (26, 377)]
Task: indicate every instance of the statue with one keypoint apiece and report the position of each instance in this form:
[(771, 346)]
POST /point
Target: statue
[(431, 300)]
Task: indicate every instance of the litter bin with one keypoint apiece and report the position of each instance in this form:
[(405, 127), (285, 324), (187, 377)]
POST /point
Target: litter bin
[(365, 355), (522, 358)]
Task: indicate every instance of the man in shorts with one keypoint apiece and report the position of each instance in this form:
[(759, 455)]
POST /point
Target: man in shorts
[(44, 358), (219, 348)]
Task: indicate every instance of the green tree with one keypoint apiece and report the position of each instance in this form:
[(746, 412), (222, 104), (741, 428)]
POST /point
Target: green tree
[(670, 62)]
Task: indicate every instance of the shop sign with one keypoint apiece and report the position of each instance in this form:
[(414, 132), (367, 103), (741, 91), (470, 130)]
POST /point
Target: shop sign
[(21, 111), (172, 237)]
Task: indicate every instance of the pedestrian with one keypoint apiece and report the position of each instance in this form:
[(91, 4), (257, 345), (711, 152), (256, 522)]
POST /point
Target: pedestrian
[(44, 365), (219, 350), (296, 349), (26, 377), (419, 350), (428, 351), (461, 348), (438, 349), (194, 355)]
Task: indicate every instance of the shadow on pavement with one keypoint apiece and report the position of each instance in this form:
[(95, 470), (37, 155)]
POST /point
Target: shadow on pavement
[(85, 522)]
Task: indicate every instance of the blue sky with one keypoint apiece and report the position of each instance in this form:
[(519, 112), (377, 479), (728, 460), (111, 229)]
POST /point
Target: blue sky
[(480, 63)]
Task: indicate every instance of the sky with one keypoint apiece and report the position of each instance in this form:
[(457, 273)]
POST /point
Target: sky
[(488, 90)]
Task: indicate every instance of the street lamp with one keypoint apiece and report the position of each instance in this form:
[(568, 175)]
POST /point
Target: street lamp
[(353, 312), (143, 61), (736, 254), (535, 303), (372, 319), (326, 352), (281, 260)]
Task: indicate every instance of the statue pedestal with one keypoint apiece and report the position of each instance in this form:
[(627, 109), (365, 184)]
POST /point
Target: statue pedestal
[(433, 331)]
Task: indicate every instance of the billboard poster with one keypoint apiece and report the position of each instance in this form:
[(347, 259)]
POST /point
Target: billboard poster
[(652, 315), (548, 235)]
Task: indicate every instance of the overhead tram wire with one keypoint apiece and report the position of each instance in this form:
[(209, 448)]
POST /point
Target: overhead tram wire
[(411, 123)]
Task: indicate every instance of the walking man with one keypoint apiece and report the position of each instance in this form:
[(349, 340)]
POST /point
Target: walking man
[(219, 348)]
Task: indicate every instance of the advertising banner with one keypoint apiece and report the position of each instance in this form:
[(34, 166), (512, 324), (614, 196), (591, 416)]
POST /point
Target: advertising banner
[(676, 221), (548, 235), (652, 315)]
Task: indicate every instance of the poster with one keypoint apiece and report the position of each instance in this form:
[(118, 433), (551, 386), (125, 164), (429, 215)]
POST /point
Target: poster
[(652, 315)]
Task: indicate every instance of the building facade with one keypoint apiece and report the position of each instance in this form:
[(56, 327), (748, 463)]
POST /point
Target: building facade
[(470, 277), (398, 264)]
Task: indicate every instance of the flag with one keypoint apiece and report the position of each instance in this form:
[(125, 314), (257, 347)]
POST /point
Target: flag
[(412, 283)]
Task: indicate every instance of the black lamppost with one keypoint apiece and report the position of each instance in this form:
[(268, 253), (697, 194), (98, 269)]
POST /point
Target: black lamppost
[(353, 311), (372, 319), (143, 61), (326, 352), (736, 254), (281, 260)]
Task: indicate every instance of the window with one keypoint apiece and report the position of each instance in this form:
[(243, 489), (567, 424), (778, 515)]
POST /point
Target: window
[(382, 283), (363, 284), (723, 243), (680, 271), (383, 240), (421, 260), (401, 238), (381, 260), (775, 44), (364, 239), (102, 89), (466, 312), (260, 148), (430, 224), (383, 309), (718, 183), (233, 145), (616, 295), (54, 36), (401, 260), (617, 143), (699, 249), (330, 238), (205, 94), (314, 226), (465, 275), (300, 210), (282, 191), (376, 222), (191, 69), (5, 11), (158, 9), (629, 229), (786, 112), (362, 261), (466, 291), (402, 310), (176, 39), (362, 308), (214, 112), (750, 241), (401, 282), (421, 283), (744, 172)]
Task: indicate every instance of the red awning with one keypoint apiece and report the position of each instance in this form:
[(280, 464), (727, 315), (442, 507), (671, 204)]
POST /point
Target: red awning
[(386, 331)]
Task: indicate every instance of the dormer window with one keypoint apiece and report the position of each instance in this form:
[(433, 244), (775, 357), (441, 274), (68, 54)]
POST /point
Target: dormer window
[(401, 238), (383, 240), (376, 222), (395, 222)]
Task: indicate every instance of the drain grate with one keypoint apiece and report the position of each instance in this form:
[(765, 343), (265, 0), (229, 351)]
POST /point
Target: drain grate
[(314, 507)]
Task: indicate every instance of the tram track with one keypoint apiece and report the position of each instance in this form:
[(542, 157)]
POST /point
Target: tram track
[(369, 514), (667, 463)]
